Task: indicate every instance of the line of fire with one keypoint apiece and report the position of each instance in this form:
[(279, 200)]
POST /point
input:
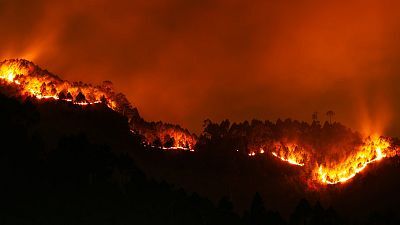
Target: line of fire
[(328, 154)]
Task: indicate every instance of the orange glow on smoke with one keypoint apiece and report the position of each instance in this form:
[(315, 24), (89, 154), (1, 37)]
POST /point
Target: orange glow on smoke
[(30, 80)]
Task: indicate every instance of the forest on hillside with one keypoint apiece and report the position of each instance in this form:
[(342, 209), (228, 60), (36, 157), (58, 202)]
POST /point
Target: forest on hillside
[(78, 180)]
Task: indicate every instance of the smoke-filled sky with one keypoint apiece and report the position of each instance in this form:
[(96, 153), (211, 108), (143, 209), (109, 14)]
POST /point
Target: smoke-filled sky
[(183, 61)]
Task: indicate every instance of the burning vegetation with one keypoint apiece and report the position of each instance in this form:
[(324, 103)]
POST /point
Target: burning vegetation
[(328, 154), (290, 153), (373, 149), (23, 78)]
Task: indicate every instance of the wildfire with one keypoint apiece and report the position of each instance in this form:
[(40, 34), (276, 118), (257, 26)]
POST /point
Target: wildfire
[(291, 160), (32, 81), (374, 149), (29, 80), (290, 153), (331, 171)]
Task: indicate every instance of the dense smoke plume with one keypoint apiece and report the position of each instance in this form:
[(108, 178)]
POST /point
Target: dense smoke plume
[(221, 59)]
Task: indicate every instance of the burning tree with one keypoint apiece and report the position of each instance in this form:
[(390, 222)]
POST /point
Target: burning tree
[(31, 81), (330, 114)]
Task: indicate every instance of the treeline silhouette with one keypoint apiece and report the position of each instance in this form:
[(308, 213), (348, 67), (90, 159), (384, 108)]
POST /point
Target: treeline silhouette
[(251, 136), (34, 80), (78, 181)]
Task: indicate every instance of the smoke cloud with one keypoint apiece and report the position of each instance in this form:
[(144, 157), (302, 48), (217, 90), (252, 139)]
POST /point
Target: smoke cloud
[(184, 61)]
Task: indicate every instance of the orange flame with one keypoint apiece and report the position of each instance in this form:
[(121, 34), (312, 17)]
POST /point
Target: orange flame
[(30, 80), (34, 82), (290, 153), (374, 149)]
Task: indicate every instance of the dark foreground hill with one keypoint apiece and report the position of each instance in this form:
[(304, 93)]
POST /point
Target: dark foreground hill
[(64, 164)]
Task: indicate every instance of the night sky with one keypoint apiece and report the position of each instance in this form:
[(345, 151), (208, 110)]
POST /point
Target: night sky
[(184, 61)]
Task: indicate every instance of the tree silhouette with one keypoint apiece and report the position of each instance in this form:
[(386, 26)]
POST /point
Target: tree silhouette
[(43, 88), (80, 98), (225, 204), (302, 213), (314, 116), (169, 141), (69, 97), (103, 100), (257, 210), (62, 95), (330, 114)]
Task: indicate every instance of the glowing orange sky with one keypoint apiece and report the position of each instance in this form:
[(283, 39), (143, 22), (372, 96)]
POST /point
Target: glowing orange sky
[(183, 61)]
